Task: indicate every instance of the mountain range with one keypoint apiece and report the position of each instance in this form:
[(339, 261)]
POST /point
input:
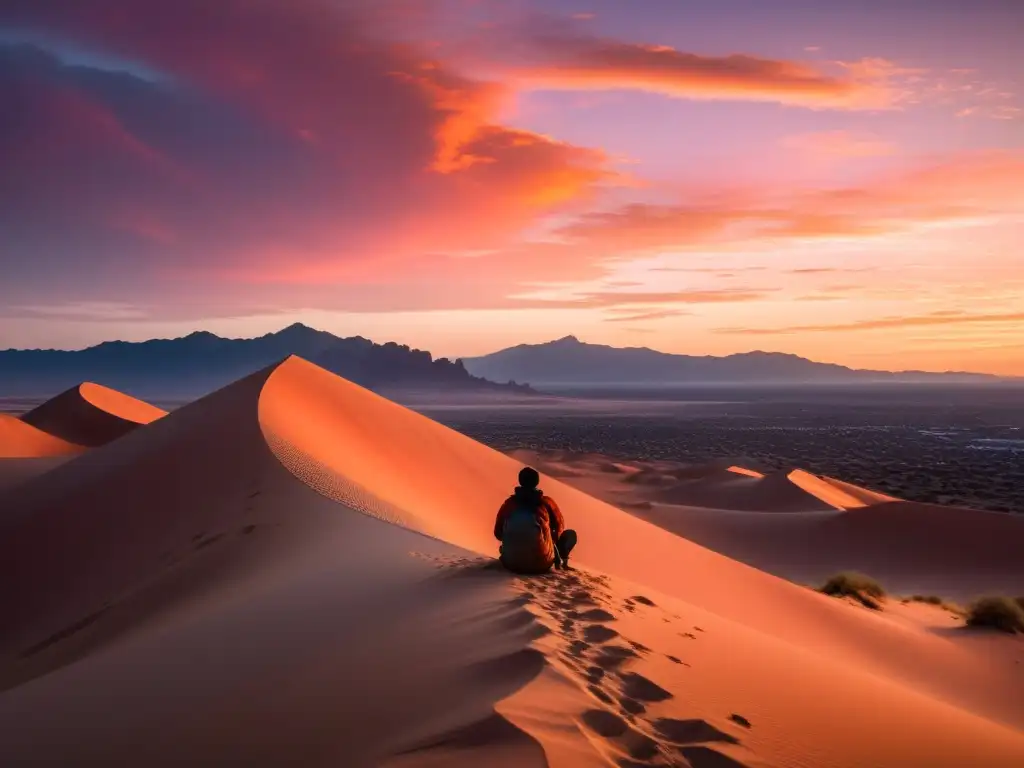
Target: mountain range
[(201, 362), (569, 361)]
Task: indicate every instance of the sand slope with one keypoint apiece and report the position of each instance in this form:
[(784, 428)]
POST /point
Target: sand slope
[(21, 440), (911, 548), (728, 489), (230, 579), (748, 490), (91, 415), (715, 485)]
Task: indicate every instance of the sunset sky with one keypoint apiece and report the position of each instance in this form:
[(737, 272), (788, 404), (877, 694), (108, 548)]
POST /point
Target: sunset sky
[(698, 176)]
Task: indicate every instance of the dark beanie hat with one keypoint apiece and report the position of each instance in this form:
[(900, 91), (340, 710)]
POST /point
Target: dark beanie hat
[(528, 477)]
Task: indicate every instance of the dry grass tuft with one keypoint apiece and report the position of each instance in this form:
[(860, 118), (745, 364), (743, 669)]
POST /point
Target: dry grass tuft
[(1002, 613), (861, 588)]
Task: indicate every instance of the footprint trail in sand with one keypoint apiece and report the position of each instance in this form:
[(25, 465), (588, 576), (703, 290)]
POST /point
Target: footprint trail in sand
[(632, 720)]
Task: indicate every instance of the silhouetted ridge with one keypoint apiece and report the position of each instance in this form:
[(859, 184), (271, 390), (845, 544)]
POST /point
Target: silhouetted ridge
[(202, 361), (571, 361)]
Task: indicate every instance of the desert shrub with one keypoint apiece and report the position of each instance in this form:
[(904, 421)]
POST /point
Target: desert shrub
[(862, 588), (1002, 613), (936, 601)]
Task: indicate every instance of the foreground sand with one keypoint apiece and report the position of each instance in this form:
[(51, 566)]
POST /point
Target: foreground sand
[(822, 525), (293, 571)]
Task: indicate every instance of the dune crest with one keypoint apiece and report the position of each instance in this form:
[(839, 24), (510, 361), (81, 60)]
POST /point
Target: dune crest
[(835, 492), (745, 471), (91, 415), (721, 488)]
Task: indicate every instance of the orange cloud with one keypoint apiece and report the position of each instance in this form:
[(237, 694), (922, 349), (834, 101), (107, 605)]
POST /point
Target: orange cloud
[(832, 293), (631, 298), (576, 62), (705, 270), (962, 188), (821, 270), (659, 315), (631, 304)]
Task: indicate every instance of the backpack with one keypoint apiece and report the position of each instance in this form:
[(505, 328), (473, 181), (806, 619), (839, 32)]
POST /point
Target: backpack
[(526, 546)]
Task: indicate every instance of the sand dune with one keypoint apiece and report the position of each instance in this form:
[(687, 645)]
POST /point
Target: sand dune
[(19, 439), (740, 488), (727, 489), (91, 415), (745, 471), (294, 571), (716, 485), (835, 492)]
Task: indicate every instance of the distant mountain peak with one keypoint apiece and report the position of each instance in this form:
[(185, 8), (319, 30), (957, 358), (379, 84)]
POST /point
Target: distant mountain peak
[(297, 329), (567, 341)]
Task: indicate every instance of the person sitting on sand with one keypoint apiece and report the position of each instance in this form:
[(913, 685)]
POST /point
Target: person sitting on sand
[(531, 529)]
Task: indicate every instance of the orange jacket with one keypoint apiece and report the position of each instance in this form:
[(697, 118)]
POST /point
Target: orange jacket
[(548, 515)]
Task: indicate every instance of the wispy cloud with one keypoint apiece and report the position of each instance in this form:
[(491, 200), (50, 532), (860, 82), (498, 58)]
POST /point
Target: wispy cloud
[(823, 270), (111, 311), (943, 318), (646, 316), (956, 189), (636, 305), (707, 270), (640, 298), (564, 59), (966, 93)]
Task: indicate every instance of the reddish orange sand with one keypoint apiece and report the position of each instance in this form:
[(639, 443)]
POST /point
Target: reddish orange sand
[(20, 440), (91, 415), (294, 571), (27, 452)]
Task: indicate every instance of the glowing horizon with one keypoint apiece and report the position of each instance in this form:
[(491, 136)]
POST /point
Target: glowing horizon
[(466, 175)]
